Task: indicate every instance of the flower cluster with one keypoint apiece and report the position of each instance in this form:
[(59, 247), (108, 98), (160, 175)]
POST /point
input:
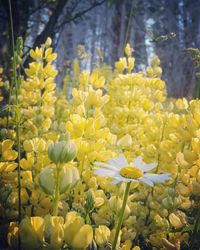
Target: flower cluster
[(115, 165)]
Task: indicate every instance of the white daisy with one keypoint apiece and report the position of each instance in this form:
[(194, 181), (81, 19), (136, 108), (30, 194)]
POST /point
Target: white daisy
[(121, 171)]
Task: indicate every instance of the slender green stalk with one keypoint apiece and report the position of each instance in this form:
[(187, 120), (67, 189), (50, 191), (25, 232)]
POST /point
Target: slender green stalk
[(57, 192), (14, 62), (121, 215), (17, 119), (128, 26), (161, 139), (18, 169)]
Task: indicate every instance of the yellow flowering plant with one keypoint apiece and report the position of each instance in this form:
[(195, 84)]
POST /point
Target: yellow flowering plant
[(106, 162)]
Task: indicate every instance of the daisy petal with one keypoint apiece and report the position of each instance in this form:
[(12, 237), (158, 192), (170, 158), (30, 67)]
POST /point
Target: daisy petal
[(116, 181), (147, 181), (102, 164), (138, 162), (118, 162), (104, 172), (157, 177), (147, 167)]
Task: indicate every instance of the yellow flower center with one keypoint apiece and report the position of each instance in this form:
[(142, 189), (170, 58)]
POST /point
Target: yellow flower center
[(131, 172)]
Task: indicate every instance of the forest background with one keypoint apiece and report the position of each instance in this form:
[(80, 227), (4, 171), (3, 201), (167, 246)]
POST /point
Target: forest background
[(101, 28)]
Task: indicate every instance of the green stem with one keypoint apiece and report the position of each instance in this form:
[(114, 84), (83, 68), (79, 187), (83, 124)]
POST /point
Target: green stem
[(18, 169), (128, 26), (14, 62), (57, 192), (121, 215), (17, 119), (161, 139)]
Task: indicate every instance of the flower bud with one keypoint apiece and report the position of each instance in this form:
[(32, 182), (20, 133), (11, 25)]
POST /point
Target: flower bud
[(155, 61), (69, 177), (170, 202), (4, 133), (48, 42), (64, 137), (62, 151), (47, 180), (128, 50)]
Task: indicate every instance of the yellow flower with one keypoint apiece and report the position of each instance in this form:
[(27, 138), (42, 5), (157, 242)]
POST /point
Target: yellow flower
[(37, 54), (182, 104), (177, 220), (7, 166), (96, 79), (102, 235), (49, 71), (128, 50), (32, 233), (13, 231), (27, 164), (7, 152), (54, 232), (125, 141), (36, 145), (49, 56), (73, 223), (127, 245), (116, 204), (83, 238), (84, 77), (121, 65), (48, 42)]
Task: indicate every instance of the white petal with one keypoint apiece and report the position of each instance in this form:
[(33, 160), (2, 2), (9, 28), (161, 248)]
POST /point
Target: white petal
[(116, 181), (114, 162), (119, 162), (147, 181), (147, 167), (157, 177), (104, 172), (138, 163), (106, 165)]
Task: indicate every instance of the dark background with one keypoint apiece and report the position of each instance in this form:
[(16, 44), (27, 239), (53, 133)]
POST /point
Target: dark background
[(163, 27)]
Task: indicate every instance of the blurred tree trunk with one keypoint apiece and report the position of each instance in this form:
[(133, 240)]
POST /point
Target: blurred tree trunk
[(20, 10), (138, 33), (191, 21), (123, 24)]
